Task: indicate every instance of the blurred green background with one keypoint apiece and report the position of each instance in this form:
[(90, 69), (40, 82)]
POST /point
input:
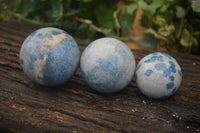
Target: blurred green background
[(174, 24)]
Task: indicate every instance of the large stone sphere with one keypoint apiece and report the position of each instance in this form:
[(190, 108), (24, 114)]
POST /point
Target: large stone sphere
[(49, 56), (158, 75), (107, 65)]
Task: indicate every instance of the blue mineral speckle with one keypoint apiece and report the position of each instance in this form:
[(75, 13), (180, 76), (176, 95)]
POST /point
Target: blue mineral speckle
[(154, 53), (164, 79), (101, 60), (179, 72), (49, 64), (172, 66), (48, 36), (167, 72), (70, 42), (49, 59), (62, 61), (160, 66), (154, 58), (170, 70), (22, 61), (40, 36), (168, 56), (40, 56), (111, 65), (36, 42), (91, 75), (106, 70), (55, 32), (111, 41), (148, 72), (171, 78), (170, 85), (32, 34), (32, 61), (138, 67), (124, 54), (108, 85), (45, 51)]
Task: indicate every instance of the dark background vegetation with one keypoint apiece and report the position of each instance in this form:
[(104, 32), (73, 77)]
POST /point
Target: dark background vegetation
[(174, 24)]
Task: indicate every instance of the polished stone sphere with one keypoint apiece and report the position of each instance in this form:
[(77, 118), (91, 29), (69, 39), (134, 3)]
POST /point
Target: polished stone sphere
[(107, 65), (49, 56), (158, 75)]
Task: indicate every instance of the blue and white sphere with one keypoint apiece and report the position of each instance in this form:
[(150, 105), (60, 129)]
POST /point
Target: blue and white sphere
[(107, 65), (158, 75), (49, 56)]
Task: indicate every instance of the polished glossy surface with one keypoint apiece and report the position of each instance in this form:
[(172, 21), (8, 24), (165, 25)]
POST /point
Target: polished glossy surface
[(158, 75), (49, 56), (107, 65)]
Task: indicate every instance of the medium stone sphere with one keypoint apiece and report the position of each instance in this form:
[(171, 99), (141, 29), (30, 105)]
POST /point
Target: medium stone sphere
[(158, 75), (49, 56), (107, 65)]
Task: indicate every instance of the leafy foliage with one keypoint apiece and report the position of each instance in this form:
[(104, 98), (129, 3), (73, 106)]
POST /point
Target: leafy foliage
[(170, 22), (174, 23)]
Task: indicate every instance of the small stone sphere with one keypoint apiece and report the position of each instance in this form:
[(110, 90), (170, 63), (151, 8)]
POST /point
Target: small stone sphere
[(107, 65), (49, 56), (158, 75)]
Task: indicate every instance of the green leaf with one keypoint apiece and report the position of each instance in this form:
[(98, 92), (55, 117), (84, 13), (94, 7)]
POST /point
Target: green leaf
[(67, 23), (85, 12), (87, 1), (178, 28), (53, 12), (83, 26), (144, 21), (9, 4), (148, 10), (142, 4), (26, 7), (173, 47), (7, 7), (131, 8), (186, 38), (167, 15), (90, 32), (157, 4), (105, 18), (149, 41), (163, 8), (180, 12), (57, 9), (126, 19), (6, 15), (194, 42), (195, 5)]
